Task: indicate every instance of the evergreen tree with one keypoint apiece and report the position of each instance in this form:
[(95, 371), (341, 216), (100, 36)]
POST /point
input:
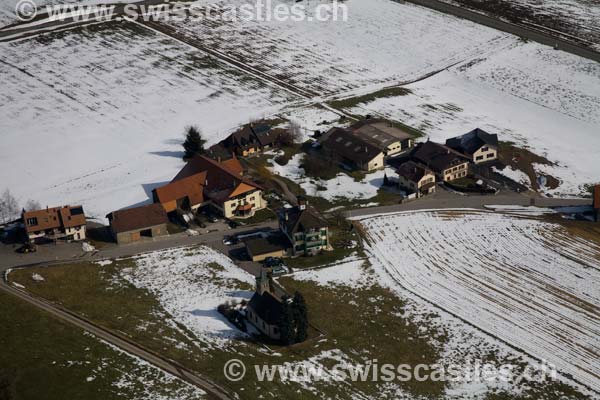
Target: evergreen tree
[(300, 318), (286, 322), (194, 143)]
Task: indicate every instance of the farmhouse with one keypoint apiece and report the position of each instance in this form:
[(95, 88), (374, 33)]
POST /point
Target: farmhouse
[(224, 188), (57, 223), (448, 164), (478, 145), (184, 194), (250, 139), (131, 224), (597, 202), (383, 134), (352, 150), (305, 228), (417, 178)]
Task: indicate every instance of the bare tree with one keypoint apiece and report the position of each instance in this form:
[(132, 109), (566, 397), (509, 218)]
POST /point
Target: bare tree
[(9, 208), (32, 205), (293, 134)]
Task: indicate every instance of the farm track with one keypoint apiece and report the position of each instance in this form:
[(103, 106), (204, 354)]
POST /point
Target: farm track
[(213, 390), (514, 278)]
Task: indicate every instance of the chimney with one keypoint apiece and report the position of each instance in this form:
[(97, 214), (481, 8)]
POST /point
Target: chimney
[(302, 203)]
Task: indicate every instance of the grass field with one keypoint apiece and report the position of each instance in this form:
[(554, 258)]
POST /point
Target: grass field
[(44, 358)]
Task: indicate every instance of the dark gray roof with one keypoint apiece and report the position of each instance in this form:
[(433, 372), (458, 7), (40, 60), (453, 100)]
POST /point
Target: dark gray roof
[(470, 142), (379, 132), (412, 171), (436, 156), (267, 307), (302, 220), (273, 242), (349, 146)]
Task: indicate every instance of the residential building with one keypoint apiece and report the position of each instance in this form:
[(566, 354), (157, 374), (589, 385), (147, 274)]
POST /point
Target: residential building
[(225, 188), (132, 224), (478, 145), (382, 134), (250, 139), (351, 150), (306, 229), (57, 223), (416, 178), (447, 164)]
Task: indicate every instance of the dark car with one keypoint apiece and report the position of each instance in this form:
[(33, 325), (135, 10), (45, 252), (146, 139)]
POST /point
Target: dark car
[(273, 262), (27, 248)]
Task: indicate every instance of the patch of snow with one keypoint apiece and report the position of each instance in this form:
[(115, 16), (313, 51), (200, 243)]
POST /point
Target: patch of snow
[(102, 263), (37, 278), (520, 210), (88, 248), (348, 272), (190, 283)]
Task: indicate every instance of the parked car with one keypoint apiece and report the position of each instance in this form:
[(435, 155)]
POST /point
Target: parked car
[(273, 262), (230, 240), (27, 248), (280, 270)]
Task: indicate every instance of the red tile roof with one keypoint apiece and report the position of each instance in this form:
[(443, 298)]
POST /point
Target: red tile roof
[(191, 187), (53, 218)]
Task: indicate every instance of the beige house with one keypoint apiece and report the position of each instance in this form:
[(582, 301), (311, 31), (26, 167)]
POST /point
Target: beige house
[(446, 163), (416, 178), (383, 134), (220, 185), (352, 151), (478, 145), (57, 223)]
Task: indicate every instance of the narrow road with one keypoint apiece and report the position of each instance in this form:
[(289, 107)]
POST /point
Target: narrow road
[(213, 390), (444, 199)]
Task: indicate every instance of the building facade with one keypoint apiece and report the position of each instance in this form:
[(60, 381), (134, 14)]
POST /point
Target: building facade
[(58, 223), (305, 228)]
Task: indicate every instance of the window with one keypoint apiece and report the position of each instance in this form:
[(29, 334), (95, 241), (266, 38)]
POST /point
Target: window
[(479, 158), (490, 155), (32, 221), (485, 148)]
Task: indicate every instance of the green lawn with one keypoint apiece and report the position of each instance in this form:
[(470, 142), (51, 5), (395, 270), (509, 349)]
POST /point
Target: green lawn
[(44, 358)]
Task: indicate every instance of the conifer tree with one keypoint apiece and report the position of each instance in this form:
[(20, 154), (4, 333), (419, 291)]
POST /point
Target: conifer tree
[(194, 143)]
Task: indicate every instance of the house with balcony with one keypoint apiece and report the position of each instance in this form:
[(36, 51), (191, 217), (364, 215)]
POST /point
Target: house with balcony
[(53, 224), (305, 228), (219, 185)]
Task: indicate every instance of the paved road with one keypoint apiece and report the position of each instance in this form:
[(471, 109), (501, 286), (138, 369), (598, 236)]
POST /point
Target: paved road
[(444, 199), (548, 38), (213, 390)]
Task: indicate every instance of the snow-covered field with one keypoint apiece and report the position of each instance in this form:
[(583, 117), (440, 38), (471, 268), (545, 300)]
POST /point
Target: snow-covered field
[(527, 282), (579, 18), (380, 44), (190, 283), (97, 117)]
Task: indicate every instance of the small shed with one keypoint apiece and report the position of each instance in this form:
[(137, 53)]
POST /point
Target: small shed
[(273, 245), (131, 224)]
